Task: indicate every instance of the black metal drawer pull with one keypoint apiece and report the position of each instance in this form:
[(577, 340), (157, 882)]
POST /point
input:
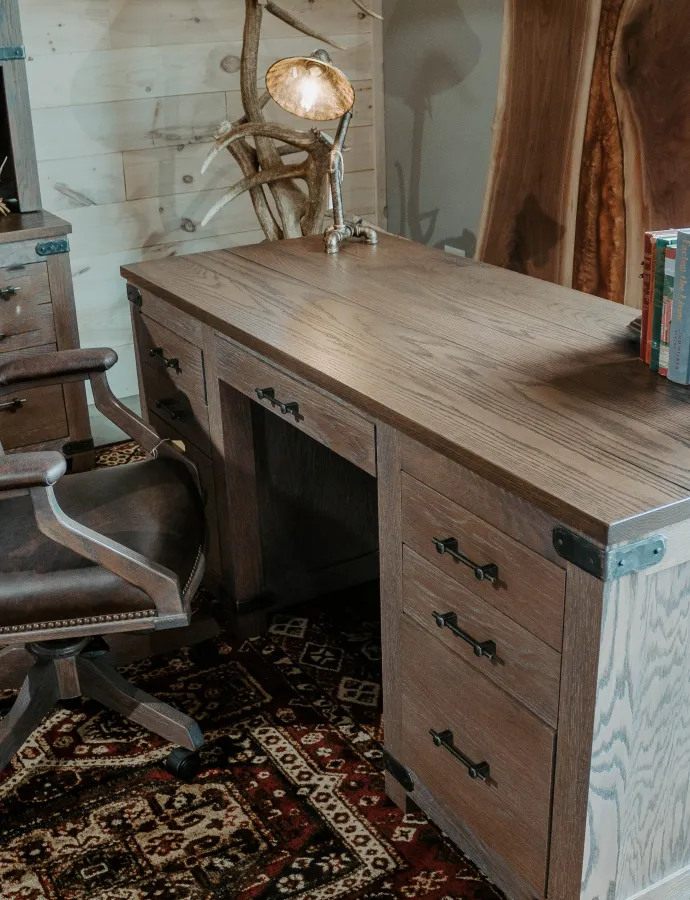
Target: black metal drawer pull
[(287, 409), (444, 739), (450, 620), (172, 363), (8, 292), (168, 406), (481, 573), (13, 405)]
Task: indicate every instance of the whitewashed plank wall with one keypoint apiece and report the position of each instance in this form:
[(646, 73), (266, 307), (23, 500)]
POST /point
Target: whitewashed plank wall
[(126, 95)]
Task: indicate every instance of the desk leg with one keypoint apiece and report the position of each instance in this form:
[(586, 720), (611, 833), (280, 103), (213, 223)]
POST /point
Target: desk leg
[(232, 444), (388, 455)]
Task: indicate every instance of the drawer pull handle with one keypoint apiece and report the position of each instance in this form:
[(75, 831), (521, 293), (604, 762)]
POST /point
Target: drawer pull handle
[(481, 573), (13, 405), (172, 363), (444, 739), (8, 292), (450, 620), (168, 406), (287, 409)]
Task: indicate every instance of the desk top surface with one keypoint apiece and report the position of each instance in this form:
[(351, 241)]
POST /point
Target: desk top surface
[(532, 385)]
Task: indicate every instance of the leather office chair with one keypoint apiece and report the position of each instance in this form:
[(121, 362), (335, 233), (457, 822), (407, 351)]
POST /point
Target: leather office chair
[(111, 550)]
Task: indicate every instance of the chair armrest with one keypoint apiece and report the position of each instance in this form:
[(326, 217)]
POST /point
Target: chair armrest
[(27, 470), (53, 366)]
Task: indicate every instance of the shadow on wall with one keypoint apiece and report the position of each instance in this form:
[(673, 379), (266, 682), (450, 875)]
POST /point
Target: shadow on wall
[(430, 49)]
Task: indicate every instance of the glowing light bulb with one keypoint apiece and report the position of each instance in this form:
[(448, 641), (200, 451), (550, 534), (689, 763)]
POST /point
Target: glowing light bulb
[(310, 88)]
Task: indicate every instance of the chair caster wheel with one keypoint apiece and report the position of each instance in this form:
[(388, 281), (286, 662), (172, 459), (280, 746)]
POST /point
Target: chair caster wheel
[(183, 764)]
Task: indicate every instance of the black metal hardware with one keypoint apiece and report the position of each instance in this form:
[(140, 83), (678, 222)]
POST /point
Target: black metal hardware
[(8, 292), (168, 406), (7, 53), (607, 565), (134, 295), (287, 409), (71, 448), (481, 573), (397, 770), (51, 248), (450, 620), (172, 363), (444, 739), (13, 405)]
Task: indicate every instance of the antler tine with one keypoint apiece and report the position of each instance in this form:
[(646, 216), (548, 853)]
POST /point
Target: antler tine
[(366, 11), (253, 181), (294, 22), (302, 140)]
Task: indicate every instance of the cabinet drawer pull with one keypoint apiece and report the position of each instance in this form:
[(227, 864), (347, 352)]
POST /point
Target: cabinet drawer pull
[(8, 292), (287, 409), (168, 406), (449, 620), (481, 573), (13, 405), (172, 363), (444, 739)]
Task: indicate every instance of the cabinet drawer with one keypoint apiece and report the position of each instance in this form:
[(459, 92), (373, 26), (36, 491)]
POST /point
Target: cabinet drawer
[(26, 310), (509, 811), (187, 415), (180, 361), (205, 467), (528, 589), (519, 663), (321, 416), (40, 418)]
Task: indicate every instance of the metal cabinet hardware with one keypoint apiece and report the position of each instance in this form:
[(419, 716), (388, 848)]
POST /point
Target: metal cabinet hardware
[(51, 248), (13, 405), (450, 620), (287, 409), (444, 739), (168, 406), (169, 363), (134, 295), (481, 573), (9, 53), (8, 292)]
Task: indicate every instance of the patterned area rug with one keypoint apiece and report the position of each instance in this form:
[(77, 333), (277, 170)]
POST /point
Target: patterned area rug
[(289, 802)]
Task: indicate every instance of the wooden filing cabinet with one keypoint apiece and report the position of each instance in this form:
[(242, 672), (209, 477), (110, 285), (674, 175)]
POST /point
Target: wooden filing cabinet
[(37, 315)]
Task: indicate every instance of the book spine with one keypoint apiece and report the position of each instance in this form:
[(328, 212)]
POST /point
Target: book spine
[(679, 356), (650, 304), (659, 274), (646, 290), (667, 306)]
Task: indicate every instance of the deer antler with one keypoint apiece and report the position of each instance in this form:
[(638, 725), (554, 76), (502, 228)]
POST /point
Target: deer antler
[(368, 12)]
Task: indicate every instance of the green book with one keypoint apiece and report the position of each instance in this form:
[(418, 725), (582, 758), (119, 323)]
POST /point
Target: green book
[(662, 243)]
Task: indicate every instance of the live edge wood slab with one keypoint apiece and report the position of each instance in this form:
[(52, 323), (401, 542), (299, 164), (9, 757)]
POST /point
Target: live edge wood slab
[(509, 426)]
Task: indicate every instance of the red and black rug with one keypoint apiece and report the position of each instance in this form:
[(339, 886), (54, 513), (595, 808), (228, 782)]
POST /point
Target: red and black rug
[(289, 802)]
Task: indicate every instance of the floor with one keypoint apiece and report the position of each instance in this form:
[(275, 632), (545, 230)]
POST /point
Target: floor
[(289, 802)]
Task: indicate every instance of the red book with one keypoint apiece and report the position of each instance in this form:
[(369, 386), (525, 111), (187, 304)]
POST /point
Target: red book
[(646, 294)]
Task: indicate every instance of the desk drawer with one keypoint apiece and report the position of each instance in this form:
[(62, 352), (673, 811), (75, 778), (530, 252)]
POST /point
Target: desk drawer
[(321, 416), (164, 350), (520, 663), (188, 415), (528, 589), (510, 810), (41, 418), (26, 310)]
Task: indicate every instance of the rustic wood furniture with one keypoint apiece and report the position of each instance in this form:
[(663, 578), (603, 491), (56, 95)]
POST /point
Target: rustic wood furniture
[(107, 551), (533, 502)]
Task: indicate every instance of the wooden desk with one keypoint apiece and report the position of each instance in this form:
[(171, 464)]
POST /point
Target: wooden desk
[(533, 506)]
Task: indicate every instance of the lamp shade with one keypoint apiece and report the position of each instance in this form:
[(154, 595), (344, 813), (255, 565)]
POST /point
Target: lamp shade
[(310, 87)]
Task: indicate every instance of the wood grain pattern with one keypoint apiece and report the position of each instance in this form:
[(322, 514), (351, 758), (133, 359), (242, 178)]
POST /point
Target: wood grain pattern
[(525, 667), (41, 419), (159, 347), (186, 412), (510, 811), (26, 319), (592, 461)]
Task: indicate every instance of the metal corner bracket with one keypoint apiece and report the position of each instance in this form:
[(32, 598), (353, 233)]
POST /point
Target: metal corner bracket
[(52, 248), (73, 447), (397, 770), (607, 565), (134, 295), (9, 53)]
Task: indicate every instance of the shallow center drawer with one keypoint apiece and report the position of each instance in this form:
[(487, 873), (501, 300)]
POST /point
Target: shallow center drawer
[(321, 416), (488, 762), (526, 587)]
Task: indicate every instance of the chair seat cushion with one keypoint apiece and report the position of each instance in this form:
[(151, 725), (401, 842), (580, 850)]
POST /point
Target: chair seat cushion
[(152, 507)]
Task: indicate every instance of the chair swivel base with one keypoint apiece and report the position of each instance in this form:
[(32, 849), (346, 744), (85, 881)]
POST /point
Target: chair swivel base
[(73, 668)]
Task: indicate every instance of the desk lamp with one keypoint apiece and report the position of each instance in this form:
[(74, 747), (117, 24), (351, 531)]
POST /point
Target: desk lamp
[(311, 87)]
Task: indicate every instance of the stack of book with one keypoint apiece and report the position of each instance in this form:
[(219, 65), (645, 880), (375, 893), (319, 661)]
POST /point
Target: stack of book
[(665, 340)]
